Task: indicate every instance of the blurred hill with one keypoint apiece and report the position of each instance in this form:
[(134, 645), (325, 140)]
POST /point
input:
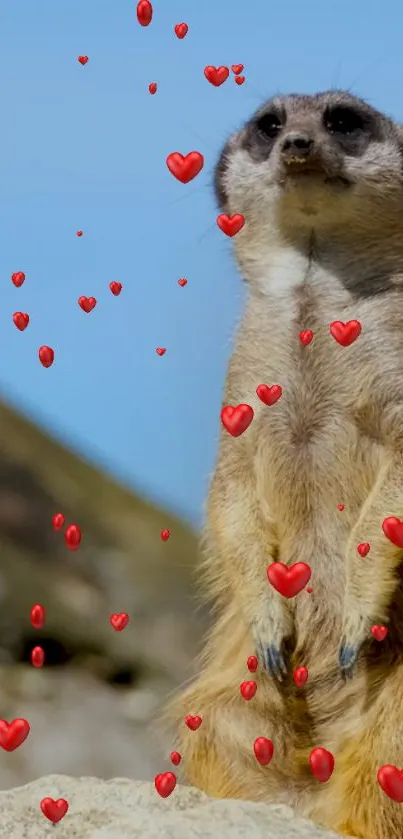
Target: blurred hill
[(91, 706)]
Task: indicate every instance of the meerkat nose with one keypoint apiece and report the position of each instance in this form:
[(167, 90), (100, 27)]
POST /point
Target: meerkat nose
[(296, 147)]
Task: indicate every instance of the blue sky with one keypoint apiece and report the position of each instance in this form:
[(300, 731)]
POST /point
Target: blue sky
[(85, 148)]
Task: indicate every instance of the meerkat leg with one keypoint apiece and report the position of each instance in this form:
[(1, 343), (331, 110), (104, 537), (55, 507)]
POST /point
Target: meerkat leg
[(371, 581)]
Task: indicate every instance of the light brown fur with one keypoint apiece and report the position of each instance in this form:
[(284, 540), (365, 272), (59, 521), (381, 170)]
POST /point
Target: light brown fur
[(335, 436)]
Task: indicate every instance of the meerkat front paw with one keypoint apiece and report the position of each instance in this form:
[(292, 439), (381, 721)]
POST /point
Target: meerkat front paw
[(270, 632)]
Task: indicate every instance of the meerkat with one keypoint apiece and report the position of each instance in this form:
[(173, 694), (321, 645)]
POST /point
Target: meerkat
[(319, 180)]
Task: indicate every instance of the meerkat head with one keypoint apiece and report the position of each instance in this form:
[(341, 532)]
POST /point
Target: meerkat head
[(306, 165)]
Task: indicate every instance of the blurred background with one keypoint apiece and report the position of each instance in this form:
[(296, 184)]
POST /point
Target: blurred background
[(118, 439)]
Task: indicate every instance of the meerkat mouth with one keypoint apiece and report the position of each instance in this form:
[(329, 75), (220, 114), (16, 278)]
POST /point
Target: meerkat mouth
[(305, 166)]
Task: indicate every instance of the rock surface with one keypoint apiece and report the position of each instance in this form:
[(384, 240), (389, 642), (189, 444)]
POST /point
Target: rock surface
[(124, 809)]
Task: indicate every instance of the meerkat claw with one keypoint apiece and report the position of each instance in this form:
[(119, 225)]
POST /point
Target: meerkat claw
[(274, 662), (348, 655)]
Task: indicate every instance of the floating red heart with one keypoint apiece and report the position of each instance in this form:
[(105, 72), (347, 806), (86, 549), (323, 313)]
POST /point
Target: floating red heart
[(21, 320), (182, 282), (269, 395), (165, 783), (345, 333), (165, 534), (393, 530), (144, 12), (364, 548), (72, 536), (13, 734), (18, 278), (185, 167), (119, 621), (237, 68), (58, 521), (322, 764), (46, 356), (306, 337), (160, 350), (37, 616), (37, 657), (236, 420), (263, 749), (193, 722), (300, 676), (248, 689), (252, 664), (340, 507), (175, 758), (79, 232), (289, 581), (390, 780), (379, 632), (181, 29), (115, 288), (231, 225), (54, 810), (216, 75), (87, 303), (82, 59), (239, 80), (152, 87)]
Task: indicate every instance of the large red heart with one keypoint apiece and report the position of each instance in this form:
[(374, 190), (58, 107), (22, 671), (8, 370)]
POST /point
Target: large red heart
[(263, 749), (54, 810), (237, 420), (13, 734), (193, 722), (144, 12), (216, 75), (87, 303), (390, 779), (345, 333), (289, 581), (322, 764), (185, 167), (165, 783), (269, 395), (393, 530), (231, 225)]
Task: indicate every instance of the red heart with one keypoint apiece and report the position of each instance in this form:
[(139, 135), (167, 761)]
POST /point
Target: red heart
[(252, 664), (13, 734), (46, 356), (54, 810), (21, 320), (181, 29), (237, 68), (216, 75), (165, 534), (115, 288), (322, 764), (248, 689), (239, 79), (72, 537), (193, 722), (37, 616), (119, 621), (160, 350), (364, 548), (379, 632), (82, 59), (237, 420), (306, 337), (345, 333), (340, 507), (289, 581), (176, 758), (58, 521), (390, 780), (393, 530), (300, 676), (165, 783), (87, 303), (231, 225), (263, 749), (144, 12), (269, 395), (185, 167), (152, 87), (37, 657), (182, 282), (18, 278), (79, 232)]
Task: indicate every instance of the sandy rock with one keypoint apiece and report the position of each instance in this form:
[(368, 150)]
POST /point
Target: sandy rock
[(125, 809)]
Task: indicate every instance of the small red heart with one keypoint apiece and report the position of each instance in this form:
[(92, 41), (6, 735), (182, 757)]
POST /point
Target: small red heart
[(58, 521), (231, 225), (263, 749), (37, 657), (182, 282), (237, 68), (82, 59), (300, 676), (115, 288), (185, 167), (379, 632), (160, 350), (306, 337), (152, 87), (181, 29), (13, 734), (119, 621), (21, 320), (216, 75), (54, 810), (46, 356), (165, 783), (72, 537), (248, 689), (252, 664), (345, 333), (165, 534), (237, 420), (288, 581), (87, 303), (364, 548), (322, 764), (393, 530), (340, 507), (175, 758), (309, 590), (37, 616), (18, 278), (269, 395), (144, 12), (79, 232), (390, 780), (193, 722), (239, 80)]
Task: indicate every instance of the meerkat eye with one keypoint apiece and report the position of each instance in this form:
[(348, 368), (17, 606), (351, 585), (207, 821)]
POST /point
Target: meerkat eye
[(269, 125), (343, 121)]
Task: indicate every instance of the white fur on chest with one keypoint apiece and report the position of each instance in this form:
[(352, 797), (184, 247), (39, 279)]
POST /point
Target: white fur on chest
[(285, 269)]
